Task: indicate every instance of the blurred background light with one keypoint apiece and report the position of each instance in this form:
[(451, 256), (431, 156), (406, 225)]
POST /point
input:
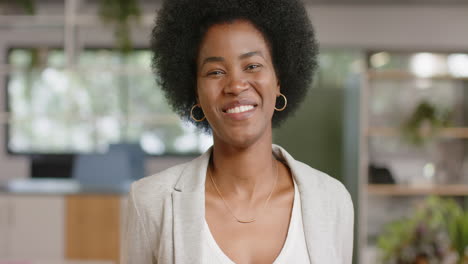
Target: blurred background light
[(426, 65), (458, 65), (379, 59)]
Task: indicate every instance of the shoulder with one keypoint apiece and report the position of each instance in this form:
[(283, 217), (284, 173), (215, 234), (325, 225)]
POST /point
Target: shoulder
[(161, 181), (150, 197), (158, 188), (314, 183), (152, 192), (322, 186), (317, 179), (149, 200)]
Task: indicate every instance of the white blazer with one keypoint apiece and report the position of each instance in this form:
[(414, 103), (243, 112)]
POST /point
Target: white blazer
[(166, 214)]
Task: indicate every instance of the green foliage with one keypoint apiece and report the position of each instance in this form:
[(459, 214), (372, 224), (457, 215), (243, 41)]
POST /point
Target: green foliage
[(437, 227), (28, 5), (458, 232), (424, 123), (396, 237), (120, 13)]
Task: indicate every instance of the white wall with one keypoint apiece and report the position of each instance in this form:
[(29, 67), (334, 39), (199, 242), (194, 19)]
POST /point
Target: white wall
[(368, 27), (392, 27)]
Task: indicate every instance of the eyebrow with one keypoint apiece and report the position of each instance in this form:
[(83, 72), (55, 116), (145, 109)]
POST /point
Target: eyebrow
[(242, 56), (250, 54)]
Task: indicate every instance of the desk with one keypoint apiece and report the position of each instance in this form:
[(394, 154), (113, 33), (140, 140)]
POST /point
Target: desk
[(43, 219)]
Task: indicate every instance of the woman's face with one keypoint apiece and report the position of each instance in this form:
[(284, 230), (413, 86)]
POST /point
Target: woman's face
[(236, 83)]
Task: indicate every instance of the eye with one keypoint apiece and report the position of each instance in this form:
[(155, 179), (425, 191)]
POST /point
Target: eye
[(253, 67), (215, 73)]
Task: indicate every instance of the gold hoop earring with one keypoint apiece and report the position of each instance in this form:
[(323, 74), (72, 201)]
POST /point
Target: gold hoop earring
[(285, 103), (191, 114)]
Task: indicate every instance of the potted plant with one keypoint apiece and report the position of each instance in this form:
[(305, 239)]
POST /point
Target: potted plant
[(458, 232), (424, 123), (435, 233)]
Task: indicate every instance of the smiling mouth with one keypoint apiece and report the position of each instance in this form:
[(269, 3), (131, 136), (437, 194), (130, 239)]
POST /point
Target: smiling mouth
[(240, 109)]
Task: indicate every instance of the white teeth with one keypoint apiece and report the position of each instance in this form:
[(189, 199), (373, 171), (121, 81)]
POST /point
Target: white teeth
[(239, 109)]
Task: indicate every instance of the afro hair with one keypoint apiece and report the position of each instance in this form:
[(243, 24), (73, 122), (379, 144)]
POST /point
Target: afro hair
[(180, 27)]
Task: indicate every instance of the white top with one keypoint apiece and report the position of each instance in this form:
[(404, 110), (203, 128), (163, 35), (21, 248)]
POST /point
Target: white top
[(294, 249)]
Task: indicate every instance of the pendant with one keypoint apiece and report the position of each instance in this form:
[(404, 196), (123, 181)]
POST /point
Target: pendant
[(246, 222)]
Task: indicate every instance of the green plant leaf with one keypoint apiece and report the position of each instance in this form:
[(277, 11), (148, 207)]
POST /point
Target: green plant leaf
[(27, 5), (119, 14), (424, 123), (402, 240)]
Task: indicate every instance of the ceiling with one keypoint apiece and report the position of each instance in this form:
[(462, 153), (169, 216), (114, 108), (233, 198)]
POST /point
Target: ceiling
[(388, 2), (325, 2), (15, 8)]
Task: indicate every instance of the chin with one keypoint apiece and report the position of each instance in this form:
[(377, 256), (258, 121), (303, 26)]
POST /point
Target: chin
[(240, 139)]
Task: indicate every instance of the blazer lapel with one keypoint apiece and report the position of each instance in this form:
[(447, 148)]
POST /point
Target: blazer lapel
[(188, 201), (188, 224), (314, 211), (315, 229)]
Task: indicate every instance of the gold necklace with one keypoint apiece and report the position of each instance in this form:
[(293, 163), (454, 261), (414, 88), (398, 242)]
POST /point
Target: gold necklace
[(229, 208)]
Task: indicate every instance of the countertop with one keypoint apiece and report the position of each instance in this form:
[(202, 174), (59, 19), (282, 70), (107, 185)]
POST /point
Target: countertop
[(48, 186), (54, 262)]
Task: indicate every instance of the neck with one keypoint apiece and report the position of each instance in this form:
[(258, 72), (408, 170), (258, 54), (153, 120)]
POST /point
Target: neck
[(246, 172)]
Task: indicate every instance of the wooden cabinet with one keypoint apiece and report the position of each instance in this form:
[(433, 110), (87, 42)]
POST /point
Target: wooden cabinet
[(56, 228), (93, 227)]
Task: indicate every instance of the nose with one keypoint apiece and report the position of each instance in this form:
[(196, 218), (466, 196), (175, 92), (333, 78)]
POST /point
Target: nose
[(236, 84)]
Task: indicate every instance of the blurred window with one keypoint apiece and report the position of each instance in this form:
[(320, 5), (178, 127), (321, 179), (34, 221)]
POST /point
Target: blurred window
[(107, 98)]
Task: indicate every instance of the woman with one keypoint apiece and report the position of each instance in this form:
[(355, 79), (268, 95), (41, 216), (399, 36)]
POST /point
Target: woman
[(236, 68)]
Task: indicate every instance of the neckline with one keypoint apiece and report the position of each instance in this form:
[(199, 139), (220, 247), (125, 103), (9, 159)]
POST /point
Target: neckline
[(287, 243)]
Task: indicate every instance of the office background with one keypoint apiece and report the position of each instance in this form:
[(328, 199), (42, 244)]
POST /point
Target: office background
[(71, 89)]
